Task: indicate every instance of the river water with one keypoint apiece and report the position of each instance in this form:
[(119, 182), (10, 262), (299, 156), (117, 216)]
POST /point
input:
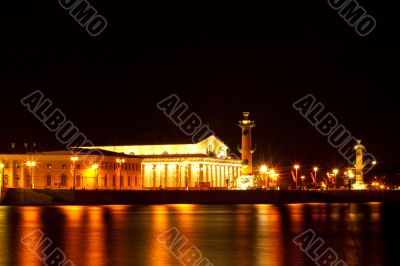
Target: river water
[(359, 234)]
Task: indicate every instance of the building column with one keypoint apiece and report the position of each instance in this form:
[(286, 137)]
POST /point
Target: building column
[(221, 181), (22, 177), (154, 176), (165, 175), (142, 172), (201, 174), (11, 173), (177, 173), (207, 179), (189, 169)]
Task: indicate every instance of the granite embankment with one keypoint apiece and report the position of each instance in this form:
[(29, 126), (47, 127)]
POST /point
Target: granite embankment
[(104, 197)]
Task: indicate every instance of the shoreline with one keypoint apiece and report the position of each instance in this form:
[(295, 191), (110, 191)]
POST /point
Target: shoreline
[(39, 197)]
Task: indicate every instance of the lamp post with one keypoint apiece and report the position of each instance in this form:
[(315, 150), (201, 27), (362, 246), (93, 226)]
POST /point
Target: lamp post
[(2, 165), (31, 164), (271, 174), (351, 176), (263, 170), (302, 180), (335, 172), (296, 166), (74, 159), (315, 176), (120, 162)]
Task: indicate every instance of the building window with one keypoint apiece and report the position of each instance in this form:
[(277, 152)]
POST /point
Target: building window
[(63, 180), (113, 181), (122, 181), (78, 166), (63, 166), (17, 166), (129, 181), (48, 180), (48, 166), (114, 166), (28, 181), (78, 181), (105, 180), (135, 181), (129, 166), (105, 166)]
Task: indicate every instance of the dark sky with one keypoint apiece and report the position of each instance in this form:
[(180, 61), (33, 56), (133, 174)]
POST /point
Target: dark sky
[(220, 59)]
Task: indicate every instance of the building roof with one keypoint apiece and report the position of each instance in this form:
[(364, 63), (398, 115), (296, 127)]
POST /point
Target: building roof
[(210, 145)]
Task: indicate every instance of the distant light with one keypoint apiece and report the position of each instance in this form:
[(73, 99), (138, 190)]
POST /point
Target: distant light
[(296, 166), (263, 169), (315, 169), (272, 172), (30, 163), (335, 171), (95, 166), (374, 162), (1, 165), (74, 158), (302, 177)]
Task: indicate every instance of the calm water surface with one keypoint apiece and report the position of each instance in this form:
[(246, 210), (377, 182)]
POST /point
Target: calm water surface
[(361, 234)]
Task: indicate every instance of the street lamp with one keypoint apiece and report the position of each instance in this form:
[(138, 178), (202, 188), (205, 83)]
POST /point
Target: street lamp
[(302, 180), (296, 166), (31, 164), (74, 159), (272, 174), (335, 172), (263, 170), (120, 162), (2, 165), (315, 176), (351, 176)]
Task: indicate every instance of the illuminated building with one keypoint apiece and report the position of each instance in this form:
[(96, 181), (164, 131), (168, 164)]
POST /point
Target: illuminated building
[(201, 165), (57, 170), (184, 166)]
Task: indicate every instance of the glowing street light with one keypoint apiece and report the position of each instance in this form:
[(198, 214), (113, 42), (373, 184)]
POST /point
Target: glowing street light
[(296, 166), (74, 159), (263, 170), (335, 172), (350, 176), (31, 164), (302, 181), (315, 176)]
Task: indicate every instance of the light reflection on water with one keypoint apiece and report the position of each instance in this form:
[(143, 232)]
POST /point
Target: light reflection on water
[(226, 235)]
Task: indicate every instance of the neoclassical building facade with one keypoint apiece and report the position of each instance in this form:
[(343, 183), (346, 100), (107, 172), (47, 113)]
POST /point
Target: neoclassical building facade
[(202, 165)]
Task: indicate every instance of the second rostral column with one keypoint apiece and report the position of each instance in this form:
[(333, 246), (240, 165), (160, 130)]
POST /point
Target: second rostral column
[(246, 175)]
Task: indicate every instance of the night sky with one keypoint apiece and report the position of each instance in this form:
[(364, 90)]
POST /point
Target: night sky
[(220, 60)]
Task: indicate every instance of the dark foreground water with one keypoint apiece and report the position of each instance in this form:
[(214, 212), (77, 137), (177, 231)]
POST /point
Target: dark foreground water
[(360, 234)]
